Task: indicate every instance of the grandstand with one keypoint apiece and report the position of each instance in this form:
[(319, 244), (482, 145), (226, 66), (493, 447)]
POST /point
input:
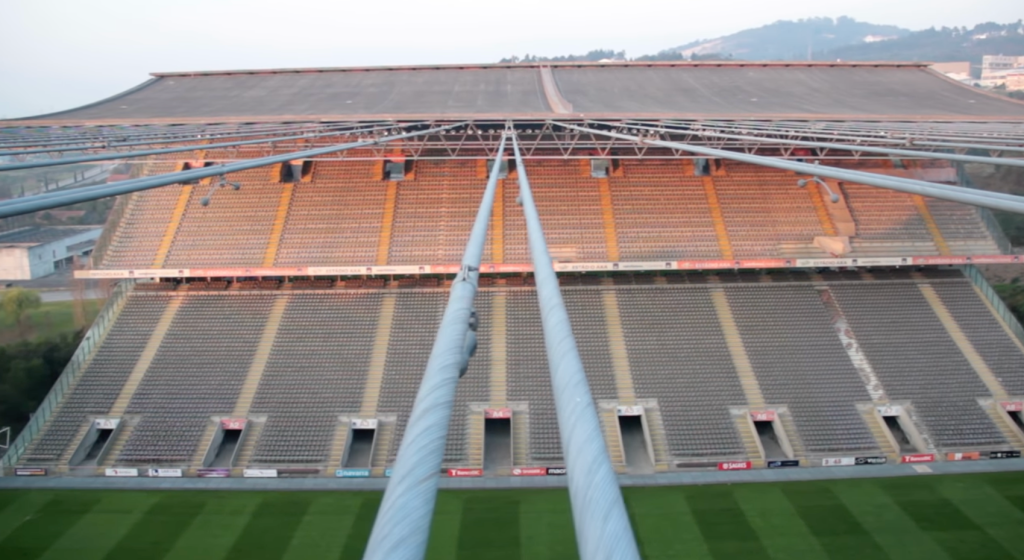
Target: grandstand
[(726, 313)]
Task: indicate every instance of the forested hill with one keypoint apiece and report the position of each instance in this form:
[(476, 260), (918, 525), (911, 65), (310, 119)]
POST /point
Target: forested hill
[(938, 45)]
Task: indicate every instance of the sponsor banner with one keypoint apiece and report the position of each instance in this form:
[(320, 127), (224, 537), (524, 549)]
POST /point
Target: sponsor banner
[(918, 458), (101, 274), (783, 464), (996, 259), (556, 471), (942, 260), (233, 423), (890, 410), (255, 271), (766, 263), (29, 471), (259, 473), (530, 471), (734, 466), (363, 423), (164, 473), (762, 415), (159, 273), (871, 460), (1012, 454), (465, 472), (696, 464), (497, 413), (1013, 406), (121, 472), (503, 268), (629, 411), (969, 456), (890, 261), (585, 267), (336, 270), (213, 473), (387, 473), (411, 269), (106, 423), (449, 268), (646, 265), (352, 473), (817, 263), (706, 265), (838, 462)]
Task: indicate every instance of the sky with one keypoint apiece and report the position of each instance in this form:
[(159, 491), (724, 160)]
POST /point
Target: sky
[(60, 54)]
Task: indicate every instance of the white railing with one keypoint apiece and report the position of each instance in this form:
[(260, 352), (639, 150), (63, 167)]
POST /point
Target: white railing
[(1004, 312)]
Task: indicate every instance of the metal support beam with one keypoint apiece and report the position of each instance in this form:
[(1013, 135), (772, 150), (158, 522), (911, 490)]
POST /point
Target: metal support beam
[(143, 153), (599, 514), (402, 528), (51, 200), (963, 195)]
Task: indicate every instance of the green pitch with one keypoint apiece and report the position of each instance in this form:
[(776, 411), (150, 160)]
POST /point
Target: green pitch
[(926, 517)]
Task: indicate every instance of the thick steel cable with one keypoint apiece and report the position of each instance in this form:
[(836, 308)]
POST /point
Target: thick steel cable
[(995, 201), (599, 514), (178, 149), (401, 530), (52, 200)]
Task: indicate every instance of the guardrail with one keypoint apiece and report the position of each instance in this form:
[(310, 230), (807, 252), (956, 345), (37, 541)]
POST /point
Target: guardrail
[(109, 229), (989, 219), (90, 342), (1004, 312)]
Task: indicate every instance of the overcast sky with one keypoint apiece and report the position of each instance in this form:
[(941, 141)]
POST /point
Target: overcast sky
[(59, 54)]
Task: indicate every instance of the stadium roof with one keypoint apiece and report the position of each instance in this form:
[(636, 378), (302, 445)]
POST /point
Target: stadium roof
[(718, 90)]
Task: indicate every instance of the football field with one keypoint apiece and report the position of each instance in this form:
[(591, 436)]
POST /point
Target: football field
[(926, 517)]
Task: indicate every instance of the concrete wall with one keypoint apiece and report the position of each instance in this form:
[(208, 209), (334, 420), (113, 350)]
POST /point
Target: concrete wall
[(27, 263), (14, 263)]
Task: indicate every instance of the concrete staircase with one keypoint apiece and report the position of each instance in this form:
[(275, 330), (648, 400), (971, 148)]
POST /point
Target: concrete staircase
[(382, 447), (1012, 434), (378, 356), (659, 441), (260, 358), (624, 388), (204, 444), (929, 222), (117, 445), (499, 351), (387, 221), (961, 341), (497, 229), (611, 237), (146, 358), (717, 217), (337, 452), (252, 437), (172, 227), (814, 190), (613, 439), (740, 360), (475, 440), (880, 433), (278, 227), (520, 439), (751, 443), (799, 451)]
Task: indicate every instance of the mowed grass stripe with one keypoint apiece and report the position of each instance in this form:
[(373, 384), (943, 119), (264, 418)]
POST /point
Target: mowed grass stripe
[(214, 531), (271, 526), (546, 531), (489, 527), (159, 529), (892, 529), (323, 530), (20, 507), (840, 533), (664, 526), (990, 511), (359, 532), (96, 533), (444, 529), (956, 533), (34, 535), (777, 524), (725, 528)]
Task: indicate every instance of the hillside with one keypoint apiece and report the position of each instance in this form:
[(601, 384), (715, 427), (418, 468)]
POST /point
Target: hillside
[(938, 45), (792, 40)]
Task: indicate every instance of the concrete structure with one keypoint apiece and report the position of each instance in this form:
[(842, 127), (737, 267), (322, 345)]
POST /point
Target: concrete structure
[(993, 64), (37, 251), (959, 71)]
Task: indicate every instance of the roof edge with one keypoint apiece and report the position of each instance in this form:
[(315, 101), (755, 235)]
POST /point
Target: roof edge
[(535, 65)]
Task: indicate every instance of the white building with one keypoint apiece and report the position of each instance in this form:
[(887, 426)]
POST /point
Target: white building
[(37, 251)]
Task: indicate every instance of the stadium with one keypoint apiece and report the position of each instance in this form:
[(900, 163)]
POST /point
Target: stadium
[(768, 268)]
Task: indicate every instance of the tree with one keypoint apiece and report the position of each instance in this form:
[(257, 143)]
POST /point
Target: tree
[(17, 302)]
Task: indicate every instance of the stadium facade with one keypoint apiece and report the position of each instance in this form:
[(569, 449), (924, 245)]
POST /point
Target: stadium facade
[(729, 315)]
